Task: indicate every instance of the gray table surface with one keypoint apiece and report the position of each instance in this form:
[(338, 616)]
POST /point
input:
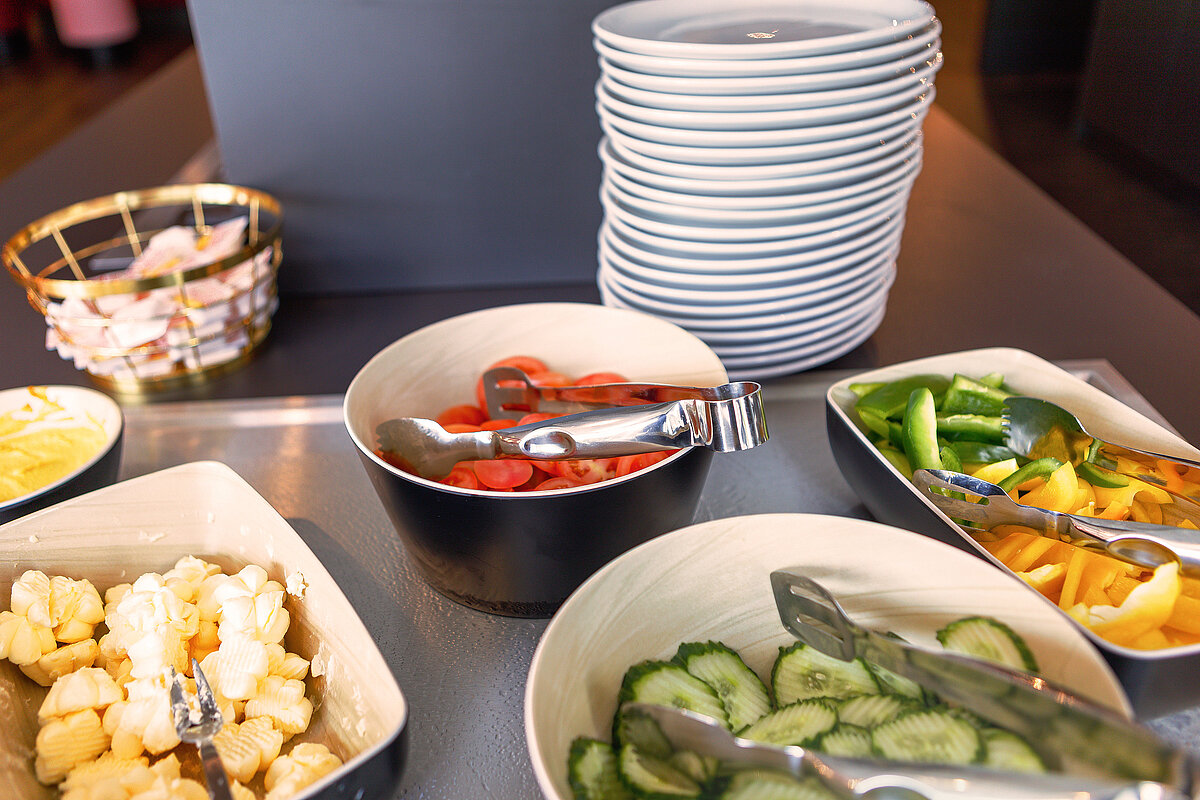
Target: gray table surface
[(464, 671)]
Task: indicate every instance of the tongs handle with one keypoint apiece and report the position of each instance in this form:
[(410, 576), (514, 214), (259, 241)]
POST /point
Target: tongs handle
[(1141, 543)]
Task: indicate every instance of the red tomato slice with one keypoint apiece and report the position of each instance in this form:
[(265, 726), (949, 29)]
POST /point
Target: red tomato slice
[(461, 476), (464, 414), (537, 416), (598, 378), (497, 424), (549, 378), (584, 470), (630, 464), (556, 483), (503, 473)]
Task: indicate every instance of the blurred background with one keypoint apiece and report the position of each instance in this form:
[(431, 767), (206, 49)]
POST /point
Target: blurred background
[(1095, 101)]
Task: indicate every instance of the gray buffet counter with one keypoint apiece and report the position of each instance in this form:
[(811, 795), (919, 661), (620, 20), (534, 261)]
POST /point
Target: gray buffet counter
[(986, 260)]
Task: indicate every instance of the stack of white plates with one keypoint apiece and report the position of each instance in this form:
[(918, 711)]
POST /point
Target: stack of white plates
[(758, 156)]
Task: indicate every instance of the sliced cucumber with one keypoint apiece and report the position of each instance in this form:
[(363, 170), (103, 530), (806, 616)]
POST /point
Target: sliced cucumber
[(847, 740), (665, 683), (1007, 751), (764, 784), (988, 639), (642, 732), (931, 737), (801, 672), (799, 724), (701, 769), (891, 683), (869, 710), (592, 771), (652, 778), (741, 691)]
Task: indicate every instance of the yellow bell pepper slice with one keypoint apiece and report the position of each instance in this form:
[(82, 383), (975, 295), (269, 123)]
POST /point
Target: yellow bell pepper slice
[(997, 471), (1057, 493), (1146, 608)]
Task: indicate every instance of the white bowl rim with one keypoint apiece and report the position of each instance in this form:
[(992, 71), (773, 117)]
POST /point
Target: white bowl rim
[(112, 421)]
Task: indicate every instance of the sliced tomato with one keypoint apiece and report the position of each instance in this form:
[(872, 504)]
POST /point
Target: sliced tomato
[(464, 414), (600, 378), (627, 465), (503, 473), (461, 476), (549, 378), (537, 416), (556, 483), (585, 470), (497, 424)]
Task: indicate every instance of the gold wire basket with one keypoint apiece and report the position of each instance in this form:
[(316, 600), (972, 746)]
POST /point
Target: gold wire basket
[(127, 300)]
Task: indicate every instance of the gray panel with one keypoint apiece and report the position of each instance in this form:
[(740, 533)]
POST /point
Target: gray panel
[(413, 143)]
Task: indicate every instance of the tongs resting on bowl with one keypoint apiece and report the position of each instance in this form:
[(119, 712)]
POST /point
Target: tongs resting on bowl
[(723, 418), (1071, 734), (988, 505)]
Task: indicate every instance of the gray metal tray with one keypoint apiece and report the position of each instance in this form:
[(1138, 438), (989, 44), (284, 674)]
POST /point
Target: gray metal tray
[(463, 671)]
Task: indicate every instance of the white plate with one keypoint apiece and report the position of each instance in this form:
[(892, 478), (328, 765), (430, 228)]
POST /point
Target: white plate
[(777, 84), (759, 120), (839, 341), (755, 29), (724, 181), (916, 40), (831, 331), (698, 209), (764, 137), (863, 143), (697, 318), (744, 103), (697, 256), (710, 582), (823, 231), (806, 289)]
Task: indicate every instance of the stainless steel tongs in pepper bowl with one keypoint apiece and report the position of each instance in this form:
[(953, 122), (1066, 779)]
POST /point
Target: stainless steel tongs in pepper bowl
[(612, 420)]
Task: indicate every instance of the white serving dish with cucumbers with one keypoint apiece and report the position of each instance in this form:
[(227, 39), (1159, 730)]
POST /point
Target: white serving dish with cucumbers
[(1157, 681), (710, 582)]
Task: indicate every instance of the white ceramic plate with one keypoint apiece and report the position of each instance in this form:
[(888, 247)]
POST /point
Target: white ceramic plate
[(689, 209), (660, 251), (863, 143), (777, 84), (767, 136), (815, 350), (783, 348), (901, 85), (205, 509), (756, 29), (809, 116), (916, 40), (710, 581), (755, 182)]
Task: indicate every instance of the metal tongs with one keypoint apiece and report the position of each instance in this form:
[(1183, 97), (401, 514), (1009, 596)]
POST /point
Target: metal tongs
[(722, 418), (199, 729), (1140, 543), (1095, 753)]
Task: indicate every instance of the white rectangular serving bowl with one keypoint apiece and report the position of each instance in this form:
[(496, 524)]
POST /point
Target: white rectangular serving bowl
[(205, 509), (1157, 681)]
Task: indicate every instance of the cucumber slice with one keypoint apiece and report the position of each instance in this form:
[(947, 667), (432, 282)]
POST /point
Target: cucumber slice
[(799, 724), (1007, 751), (892, 683), (741, 691), (592, 771), (847, 740), (764, 784), (931, 737), (653, 779), (642, 732), (665, 683), (869, 710), (990, 640), (701, 769), (801, 672)]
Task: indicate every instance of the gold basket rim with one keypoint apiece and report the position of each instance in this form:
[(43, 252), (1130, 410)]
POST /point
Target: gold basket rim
[(124, 204)]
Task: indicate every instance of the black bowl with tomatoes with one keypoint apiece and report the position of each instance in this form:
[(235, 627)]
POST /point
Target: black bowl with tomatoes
[(516, 537)]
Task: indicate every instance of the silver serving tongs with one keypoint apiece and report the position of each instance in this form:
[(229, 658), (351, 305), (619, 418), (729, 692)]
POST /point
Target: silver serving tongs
[(732, 420), (1072, 735), (988, 505), (862, 777)]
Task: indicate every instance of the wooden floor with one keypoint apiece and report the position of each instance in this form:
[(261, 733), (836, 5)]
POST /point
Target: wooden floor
[(1027, 119)]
